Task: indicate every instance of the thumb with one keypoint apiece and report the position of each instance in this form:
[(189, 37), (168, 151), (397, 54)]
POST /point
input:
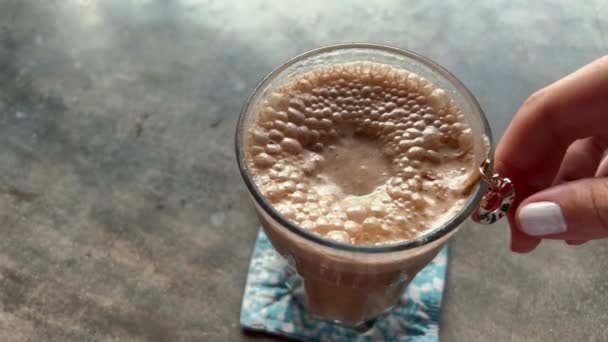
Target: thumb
[(575, 211)]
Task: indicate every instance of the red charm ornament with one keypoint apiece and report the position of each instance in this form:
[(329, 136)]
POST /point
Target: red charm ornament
[(496, 202)]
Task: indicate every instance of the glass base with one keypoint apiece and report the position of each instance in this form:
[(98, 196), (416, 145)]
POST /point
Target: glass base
[(295, 284)]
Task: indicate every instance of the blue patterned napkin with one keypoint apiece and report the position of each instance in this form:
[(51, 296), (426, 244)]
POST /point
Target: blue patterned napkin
[(268, 305)]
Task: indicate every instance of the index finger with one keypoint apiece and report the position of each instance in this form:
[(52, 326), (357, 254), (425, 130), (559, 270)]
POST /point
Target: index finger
[(531, 151)]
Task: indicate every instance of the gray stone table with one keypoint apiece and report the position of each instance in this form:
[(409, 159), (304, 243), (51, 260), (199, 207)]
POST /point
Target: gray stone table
[(123, 216)]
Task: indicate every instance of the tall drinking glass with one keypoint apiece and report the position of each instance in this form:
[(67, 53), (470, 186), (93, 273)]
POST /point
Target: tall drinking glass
[(348, 283)]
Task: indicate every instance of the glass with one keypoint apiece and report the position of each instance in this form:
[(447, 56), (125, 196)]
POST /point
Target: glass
[(352, 284)]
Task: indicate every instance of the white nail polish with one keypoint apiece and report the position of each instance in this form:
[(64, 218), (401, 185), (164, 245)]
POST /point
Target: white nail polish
[(541, 218)]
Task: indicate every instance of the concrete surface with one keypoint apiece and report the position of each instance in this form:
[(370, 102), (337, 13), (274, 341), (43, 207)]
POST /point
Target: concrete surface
[(122, 214)]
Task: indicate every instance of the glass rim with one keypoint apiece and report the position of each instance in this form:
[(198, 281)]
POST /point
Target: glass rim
[(421, 240)]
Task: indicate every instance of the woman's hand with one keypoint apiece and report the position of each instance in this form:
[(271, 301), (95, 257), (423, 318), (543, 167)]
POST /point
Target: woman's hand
[(553, 152)]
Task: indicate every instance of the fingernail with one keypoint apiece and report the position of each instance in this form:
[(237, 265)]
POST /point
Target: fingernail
[(541, 218)]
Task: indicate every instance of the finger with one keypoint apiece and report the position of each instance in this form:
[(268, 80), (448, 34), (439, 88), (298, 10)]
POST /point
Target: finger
[(602, 170), (520, 242), (581, 160), (575, 242), (531, 151), (576, 210)]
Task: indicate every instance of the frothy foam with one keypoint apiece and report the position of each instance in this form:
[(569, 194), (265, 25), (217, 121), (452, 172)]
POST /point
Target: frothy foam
[(362, 153)]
